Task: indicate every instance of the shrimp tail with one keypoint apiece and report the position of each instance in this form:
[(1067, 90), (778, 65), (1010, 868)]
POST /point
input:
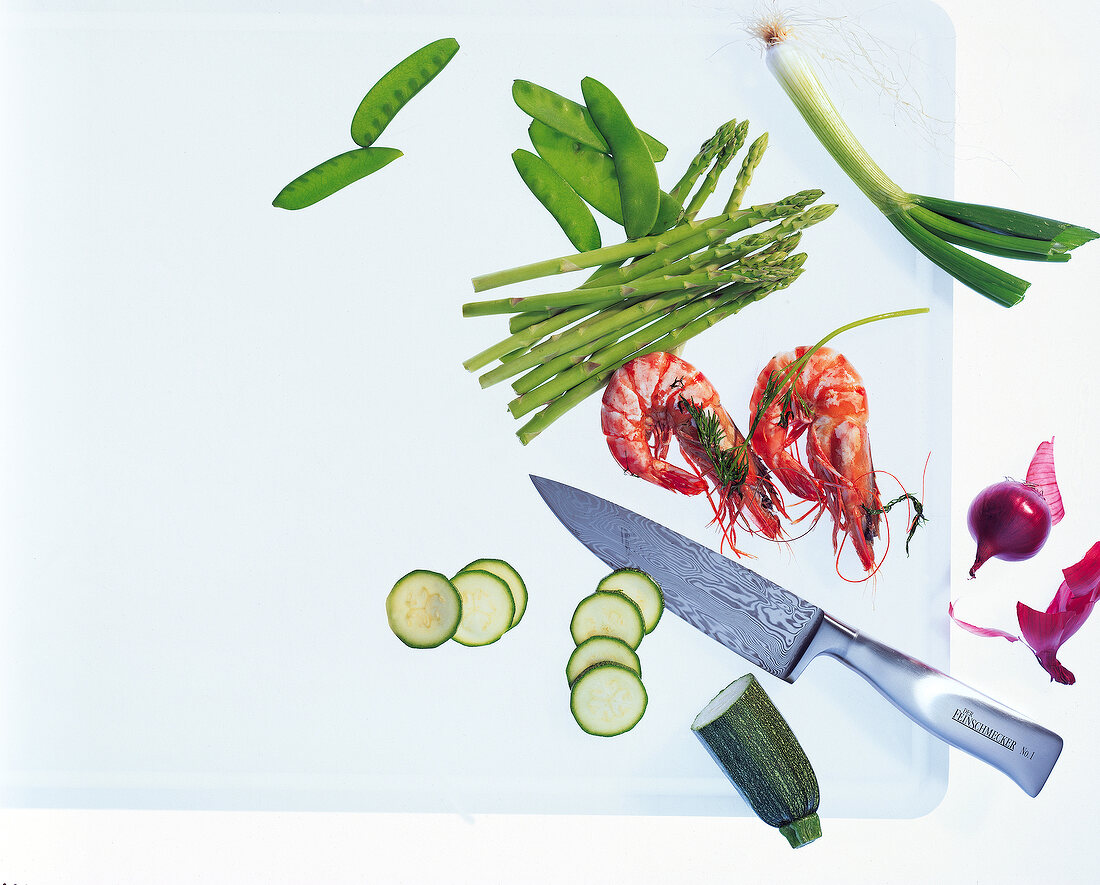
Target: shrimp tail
[(656, 470)]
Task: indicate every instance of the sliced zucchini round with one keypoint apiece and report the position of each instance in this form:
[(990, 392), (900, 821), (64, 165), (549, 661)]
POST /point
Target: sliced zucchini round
[(487, 607), (424, 609), (608, 699), (502, 569), (600, 650), (604, 613), (641, 588)]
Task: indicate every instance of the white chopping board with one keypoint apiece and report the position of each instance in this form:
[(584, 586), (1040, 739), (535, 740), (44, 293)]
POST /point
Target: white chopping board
[(230, 429)]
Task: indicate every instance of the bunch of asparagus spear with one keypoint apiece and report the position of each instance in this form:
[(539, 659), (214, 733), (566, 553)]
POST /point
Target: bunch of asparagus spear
[(647, 294)]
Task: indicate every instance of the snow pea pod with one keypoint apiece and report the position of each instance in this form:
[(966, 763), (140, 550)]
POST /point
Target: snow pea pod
[(328, 177), (592, 175), (393, 91), (569, 210), (639, 187), (569, 117)]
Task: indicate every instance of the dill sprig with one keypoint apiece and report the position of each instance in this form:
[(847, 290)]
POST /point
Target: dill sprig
[(918, 514), (730, 463), (778, 384)]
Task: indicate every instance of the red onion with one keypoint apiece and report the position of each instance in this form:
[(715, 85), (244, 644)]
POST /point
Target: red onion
[(1010, 520), (1044, 632)]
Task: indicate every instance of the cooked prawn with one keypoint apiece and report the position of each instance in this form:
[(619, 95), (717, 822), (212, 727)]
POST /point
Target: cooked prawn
[(828, 402), (646, 404)]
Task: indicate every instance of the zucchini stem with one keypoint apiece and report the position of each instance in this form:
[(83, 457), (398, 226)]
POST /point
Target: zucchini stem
[(802, 832)]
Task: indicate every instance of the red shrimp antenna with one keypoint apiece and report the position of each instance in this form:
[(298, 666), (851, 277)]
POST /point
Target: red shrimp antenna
[(727, 526), (870, 576), (913, 520)]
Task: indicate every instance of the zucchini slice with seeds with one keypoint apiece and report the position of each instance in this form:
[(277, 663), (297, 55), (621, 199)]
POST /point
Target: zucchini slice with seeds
[(424, 609), (608, 614), (487, 607), (755, 747), (601, 650), (512, 578), (608, 699), (641, 588)]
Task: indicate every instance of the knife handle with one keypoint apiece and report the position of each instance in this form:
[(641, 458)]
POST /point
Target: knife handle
[(954, 712)]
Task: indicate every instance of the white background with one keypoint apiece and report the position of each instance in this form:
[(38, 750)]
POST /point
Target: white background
[(232, 428), (1025, 138)]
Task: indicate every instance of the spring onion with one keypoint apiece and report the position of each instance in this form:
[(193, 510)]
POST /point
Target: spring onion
[(936, 227)]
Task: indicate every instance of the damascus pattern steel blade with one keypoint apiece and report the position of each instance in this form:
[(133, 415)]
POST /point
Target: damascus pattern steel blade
[(744, 611)]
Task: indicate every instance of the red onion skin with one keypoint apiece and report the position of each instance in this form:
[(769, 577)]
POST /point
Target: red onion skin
[(1010, 520)]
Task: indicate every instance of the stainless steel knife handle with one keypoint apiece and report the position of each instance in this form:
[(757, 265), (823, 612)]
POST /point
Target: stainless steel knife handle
[(945, 707)]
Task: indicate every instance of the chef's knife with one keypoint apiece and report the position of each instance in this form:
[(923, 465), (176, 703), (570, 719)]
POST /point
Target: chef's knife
[(782, 633)]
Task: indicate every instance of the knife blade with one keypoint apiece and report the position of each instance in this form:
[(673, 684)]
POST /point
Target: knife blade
[(781, 633)]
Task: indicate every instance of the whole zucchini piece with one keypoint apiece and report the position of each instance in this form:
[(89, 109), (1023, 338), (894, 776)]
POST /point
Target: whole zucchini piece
[(752, 743)]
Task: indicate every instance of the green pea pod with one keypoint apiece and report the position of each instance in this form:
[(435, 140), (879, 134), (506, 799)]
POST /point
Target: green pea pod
[(570, 118), (640, 189), (569, 210), (592, 175), (397, 86), (327, 178)]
